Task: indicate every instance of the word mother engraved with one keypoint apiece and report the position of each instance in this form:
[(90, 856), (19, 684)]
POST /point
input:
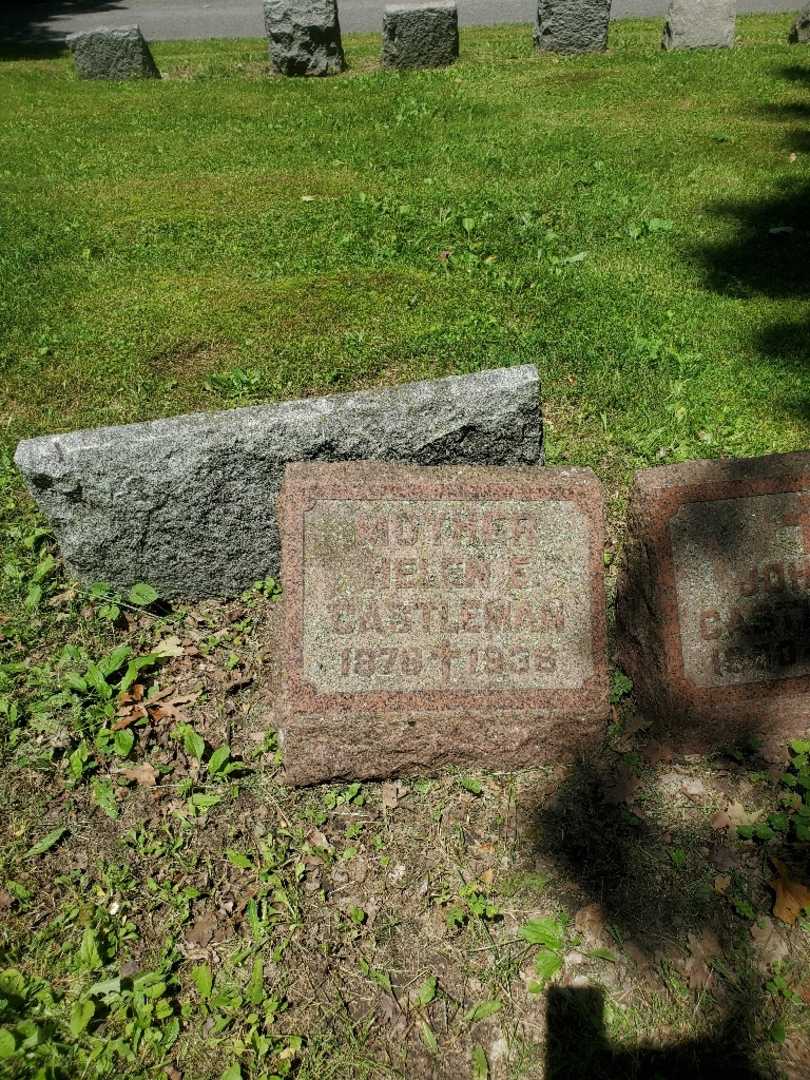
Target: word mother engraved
[(715, 595), (439, 600)]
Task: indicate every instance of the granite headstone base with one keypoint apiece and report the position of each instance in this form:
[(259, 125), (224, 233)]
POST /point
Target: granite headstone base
[(112, 53), (304, 37), (800, 30), (572, 26), (700, 24), (420, 35), (188, 503)]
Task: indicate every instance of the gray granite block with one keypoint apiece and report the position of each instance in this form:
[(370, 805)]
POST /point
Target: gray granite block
[(572, 26), (700, 24), (112, 53), (189, 503), (304, 37), (420, 35), (800, 31)]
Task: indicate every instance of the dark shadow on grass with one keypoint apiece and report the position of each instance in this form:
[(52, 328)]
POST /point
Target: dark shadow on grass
[(769, 255), (31, 31), (577, 1047), (651, 877)]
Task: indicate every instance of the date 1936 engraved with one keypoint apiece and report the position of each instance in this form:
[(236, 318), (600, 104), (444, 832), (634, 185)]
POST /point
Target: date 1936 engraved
[(419, 594)]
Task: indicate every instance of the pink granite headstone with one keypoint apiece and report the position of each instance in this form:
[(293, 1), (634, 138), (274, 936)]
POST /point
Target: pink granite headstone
[(713, 604), (435, 616)]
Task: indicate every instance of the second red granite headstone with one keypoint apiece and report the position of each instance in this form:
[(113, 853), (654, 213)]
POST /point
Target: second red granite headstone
[(713, 604), (439, 616)]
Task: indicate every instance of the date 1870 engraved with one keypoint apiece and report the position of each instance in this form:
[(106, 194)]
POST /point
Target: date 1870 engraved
[(419, 594)]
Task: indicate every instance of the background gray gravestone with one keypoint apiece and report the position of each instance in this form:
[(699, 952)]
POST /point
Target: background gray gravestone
[(420, 35), (189, 503), (112, 53), (700, 24), (572, 26), (304, 37), (800, 31)]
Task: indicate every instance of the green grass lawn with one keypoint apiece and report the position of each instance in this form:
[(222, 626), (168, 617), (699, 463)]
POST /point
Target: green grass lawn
[(633, 223)]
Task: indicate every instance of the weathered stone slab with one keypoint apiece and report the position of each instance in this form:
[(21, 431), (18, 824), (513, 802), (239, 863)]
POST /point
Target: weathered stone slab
[(572, 26), (439, 616), (188, 503), (420, 35), (112, 53), (700, 24), (800, 30), (304, 37), (713, 605)]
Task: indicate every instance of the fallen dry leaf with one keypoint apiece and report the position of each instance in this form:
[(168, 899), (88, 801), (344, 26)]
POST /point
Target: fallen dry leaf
[(738, 815), (693, 788), (721, 820), (590, 921), (164, 712), (392, 794), (734, 815), (135, 712), (722, 883), (769, 945), (143, 774), (791, 896), (657, 753), (724, 857), (635, 954), (635, 723), (702, 949), (315, 838), (203, 929), (6, 900), (168, 647), (621, 788)]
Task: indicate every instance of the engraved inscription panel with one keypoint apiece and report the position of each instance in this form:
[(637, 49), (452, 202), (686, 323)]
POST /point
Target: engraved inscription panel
[(742, 572), (475, 595)]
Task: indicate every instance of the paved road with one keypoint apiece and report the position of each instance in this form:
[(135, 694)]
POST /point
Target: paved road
[(163, 20)]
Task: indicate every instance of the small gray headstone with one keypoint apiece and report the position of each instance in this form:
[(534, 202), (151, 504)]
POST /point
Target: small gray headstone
[(189, 503), (112, 53), (304, 37), (572, 26), (800, 31), (420, 35), (700, 24)]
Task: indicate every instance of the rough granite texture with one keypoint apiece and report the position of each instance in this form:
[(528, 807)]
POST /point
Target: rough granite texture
[(188, 503), (800, 31), (713, 601), (439, 615), (112, 53), (420, 35), (304, 37), (572, 26), (700, 24)]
